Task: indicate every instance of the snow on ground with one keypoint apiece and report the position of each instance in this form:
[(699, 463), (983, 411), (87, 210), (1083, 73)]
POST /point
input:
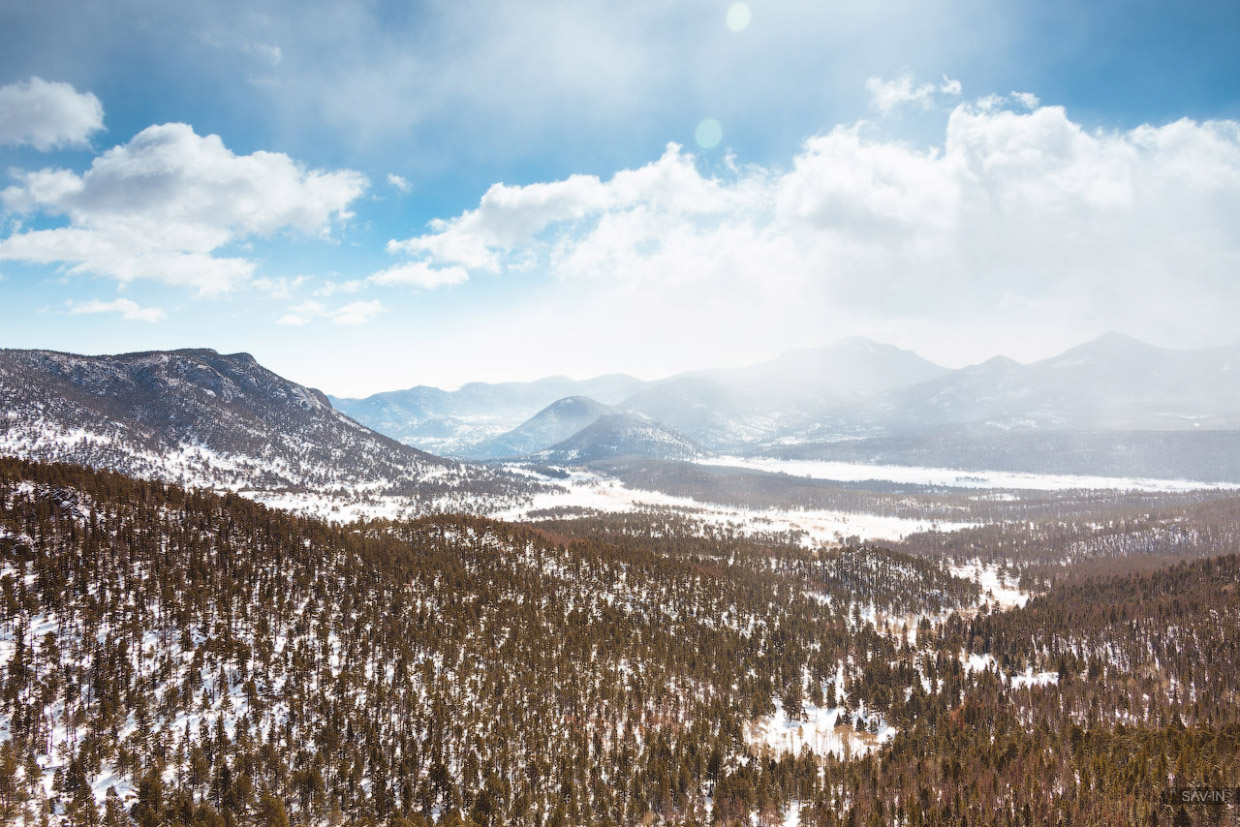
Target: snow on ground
[(915, 475), (997, 590), (587, 490), (1031, 678), (822, 730), (973, 662)]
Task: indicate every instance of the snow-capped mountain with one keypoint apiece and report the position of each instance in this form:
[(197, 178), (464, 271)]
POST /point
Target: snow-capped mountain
[(717, 408), (449, 422), (1113, 383), (621, 435), (222, 421), (858, 388), (553, 424)]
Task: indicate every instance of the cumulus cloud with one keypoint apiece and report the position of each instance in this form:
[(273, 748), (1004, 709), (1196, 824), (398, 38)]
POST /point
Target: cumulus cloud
[(47, 115), (420, 274), (279, 288), (399, 183), (510, 221), (329, 288), (1015, 209), (358, 312), (354, 313), (160, 206), (888, 96), (127, 308)]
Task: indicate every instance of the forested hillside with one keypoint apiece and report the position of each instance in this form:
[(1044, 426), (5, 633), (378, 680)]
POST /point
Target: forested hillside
[(177, 657)]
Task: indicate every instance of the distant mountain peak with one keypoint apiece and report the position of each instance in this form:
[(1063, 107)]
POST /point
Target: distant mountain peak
[(1110, 349), (1113, 340), (573, 402), (622, 435), (863, 344), (999, 363), (553, 424)]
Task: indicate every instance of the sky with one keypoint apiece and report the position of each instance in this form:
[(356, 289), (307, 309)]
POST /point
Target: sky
[(373, 195)]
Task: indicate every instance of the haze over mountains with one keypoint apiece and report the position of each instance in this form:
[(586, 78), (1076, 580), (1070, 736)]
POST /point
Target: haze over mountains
[(1112, 383), (716, 408), (447, 421), (1115, 402)]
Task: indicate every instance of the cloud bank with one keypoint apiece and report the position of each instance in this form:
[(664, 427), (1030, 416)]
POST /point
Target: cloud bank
[(1020, 222), (161, 205)]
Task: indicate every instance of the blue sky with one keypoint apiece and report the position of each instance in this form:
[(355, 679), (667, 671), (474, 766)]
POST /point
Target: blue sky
[(373, 195)]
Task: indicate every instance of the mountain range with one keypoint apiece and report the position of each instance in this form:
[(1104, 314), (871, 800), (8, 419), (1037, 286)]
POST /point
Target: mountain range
[(1114, 405), (1115, 400), (203, 418), (446, 422), (718, 408), (1113, 383)]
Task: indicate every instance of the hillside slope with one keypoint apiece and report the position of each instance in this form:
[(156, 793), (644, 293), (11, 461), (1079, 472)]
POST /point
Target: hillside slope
[(222, 421)]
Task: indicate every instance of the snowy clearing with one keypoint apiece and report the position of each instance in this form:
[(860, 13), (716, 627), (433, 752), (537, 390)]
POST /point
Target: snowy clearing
[(587, 490), (997, 589), (822, 730)]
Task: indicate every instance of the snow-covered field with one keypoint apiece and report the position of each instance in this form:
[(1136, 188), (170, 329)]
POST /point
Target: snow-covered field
[(587, 490), (914, 475)]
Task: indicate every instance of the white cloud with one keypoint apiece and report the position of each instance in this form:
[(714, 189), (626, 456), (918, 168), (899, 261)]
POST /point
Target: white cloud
[(887, 96), (1026, 99), (47, 115), (420, 274), (1014, 209), (127, 308), (302, 314), (329, 288), (265, 52), (279, 288), (358, 312), (160, 206), (508, 219), (399, 183), (354, 313)]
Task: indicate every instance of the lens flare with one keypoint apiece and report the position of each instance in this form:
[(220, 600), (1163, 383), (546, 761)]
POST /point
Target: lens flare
[(708, 134), (739, 16)]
